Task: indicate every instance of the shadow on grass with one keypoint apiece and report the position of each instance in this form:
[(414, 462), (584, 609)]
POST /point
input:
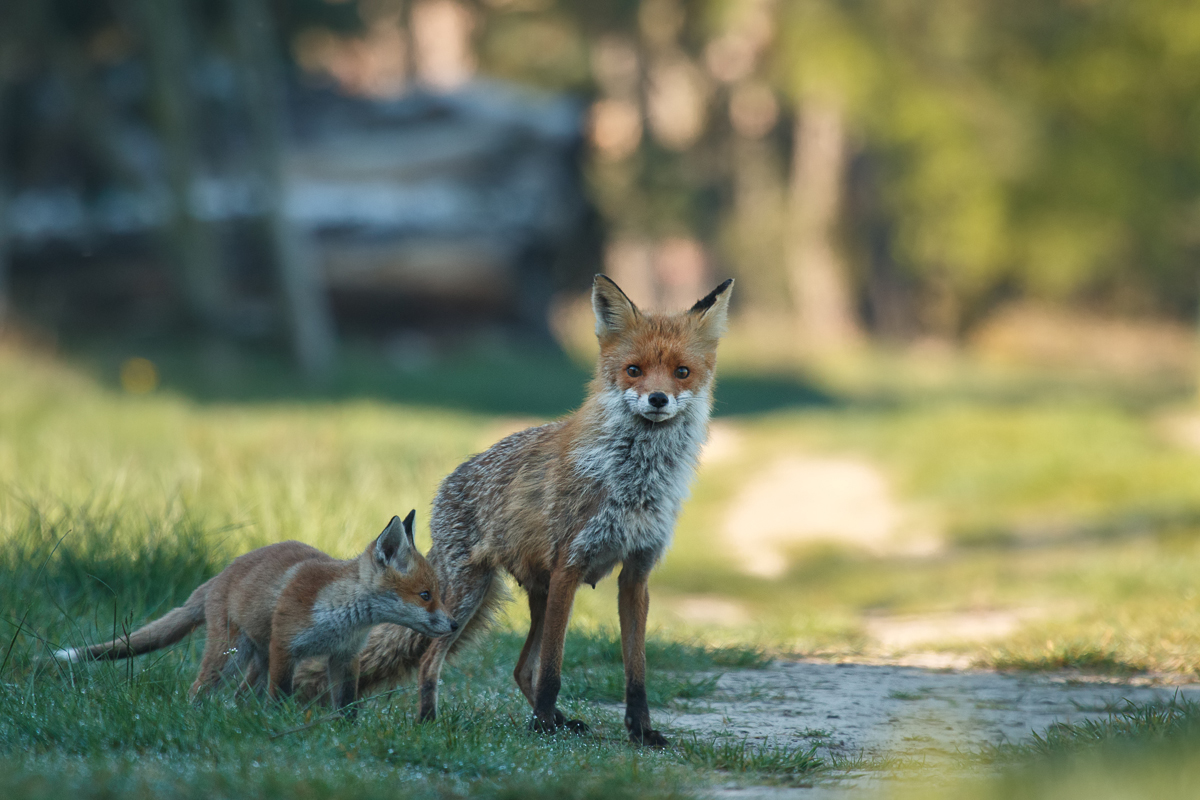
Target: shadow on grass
[(537, 381)]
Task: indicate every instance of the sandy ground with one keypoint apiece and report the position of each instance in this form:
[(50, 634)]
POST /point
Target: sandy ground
[(927, 718), (800, 499)]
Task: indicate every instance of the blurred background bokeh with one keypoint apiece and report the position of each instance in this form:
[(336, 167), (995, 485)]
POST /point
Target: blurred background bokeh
[(270, 269), (291, 174)]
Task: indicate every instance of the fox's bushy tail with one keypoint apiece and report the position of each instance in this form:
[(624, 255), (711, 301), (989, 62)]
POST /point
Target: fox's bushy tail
[(164, 631)]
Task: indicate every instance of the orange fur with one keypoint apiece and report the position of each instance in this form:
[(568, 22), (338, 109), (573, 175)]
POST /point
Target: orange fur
[(288, 601), (564, 503)]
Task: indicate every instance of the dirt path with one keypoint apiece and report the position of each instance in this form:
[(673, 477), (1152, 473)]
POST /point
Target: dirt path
[(919, 715), (799, 499)]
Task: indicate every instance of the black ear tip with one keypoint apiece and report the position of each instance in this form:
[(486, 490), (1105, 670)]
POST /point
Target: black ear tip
[(706, 302), (408, 521)]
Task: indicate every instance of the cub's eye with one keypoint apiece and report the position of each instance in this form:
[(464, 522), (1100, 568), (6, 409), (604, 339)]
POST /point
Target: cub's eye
[(633, 371), (425, 596), (682, 372)]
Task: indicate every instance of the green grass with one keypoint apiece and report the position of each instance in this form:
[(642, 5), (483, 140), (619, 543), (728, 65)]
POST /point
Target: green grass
[(127, 728), (772, 761), (1144, 726), (1056, 496), (1136, 751)]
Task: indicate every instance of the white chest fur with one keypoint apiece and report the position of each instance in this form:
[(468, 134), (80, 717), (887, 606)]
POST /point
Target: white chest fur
[(645, 471)]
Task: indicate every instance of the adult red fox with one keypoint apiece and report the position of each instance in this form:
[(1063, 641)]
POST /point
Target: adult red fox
[(561, 504), (285, 602)]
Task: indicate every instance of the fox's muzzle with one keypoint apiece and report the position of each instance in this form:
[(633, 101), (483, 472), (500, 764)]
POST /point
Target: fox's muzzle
[(440, 624), (655, 406)]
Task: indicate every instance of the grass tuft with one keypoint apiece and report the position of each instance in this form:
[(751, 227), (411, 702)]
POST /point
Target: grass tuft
[(779, 762), (1078, 655)]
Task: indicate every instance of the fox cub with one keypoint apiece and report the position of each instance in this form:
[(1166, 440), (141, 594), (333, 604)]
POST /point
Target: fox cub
[(285, 602), (562, 504)]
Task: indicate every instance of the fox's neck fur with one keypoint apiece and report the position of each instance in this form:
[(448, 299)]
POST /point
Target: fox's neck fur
[(641, 463), (343, 611), (644, 470)]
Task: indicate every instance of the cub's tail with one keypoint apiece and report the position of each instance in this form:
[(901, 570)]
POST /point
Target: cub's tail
[(164, 631)]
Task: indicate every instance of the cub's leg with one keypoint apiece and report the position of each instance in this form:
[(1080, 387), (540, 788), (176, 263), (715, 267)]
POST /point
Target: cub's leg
[(251, 666), (280, 669), (343, 684), (219, 638)]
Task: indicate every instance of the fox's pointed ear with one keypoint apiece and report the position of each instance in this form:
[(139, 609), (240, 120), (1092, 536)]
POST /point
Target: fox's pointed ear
[(614, 311), (408, 527), (393, 545), (713, 310)]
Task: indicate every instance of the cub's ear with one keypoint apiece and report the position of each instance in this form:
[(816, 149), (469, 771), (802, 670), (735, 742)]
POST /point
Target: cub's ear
[(393, 545), (614, 311), (713, 310), (408, 526)]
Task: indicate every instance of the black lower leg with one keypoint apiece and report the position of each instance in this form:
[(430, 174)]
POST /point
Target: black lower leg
[(428, 712), (637, 717), (545, 714)]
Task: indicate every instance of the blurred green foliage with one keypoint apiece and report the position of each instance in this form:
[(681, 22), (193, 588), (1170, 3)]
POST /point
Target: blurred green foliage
[(1044, 149), (999, 148)]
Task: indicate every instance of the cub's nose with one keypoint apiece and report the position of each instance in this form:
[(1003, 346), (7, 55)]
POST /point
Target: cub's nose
[(453, 625), (658, 399)]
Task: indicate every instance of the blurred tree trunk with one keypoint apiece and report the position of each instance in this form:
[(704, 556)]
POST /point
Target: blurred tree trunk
[(14, 20), (820, 286), (5, 235), (307, 310), (758, 224), (163, 27)]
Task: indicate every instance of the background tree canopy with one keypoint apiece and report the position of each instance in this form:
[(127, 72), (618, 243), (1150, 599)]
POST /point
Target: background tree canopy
[(879, 167)]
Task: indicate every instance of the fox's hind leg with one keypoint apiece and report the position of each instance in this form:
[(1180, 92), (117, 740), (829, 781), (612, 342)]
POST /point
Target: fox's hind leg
[(249, 667), (218, 645)]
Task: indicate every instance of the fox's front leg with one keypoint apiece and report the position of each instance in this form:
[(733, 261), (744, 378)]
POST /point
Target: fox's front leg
[(280, 668), (633, 603), (343, 685), (546, 717), (526, 668)]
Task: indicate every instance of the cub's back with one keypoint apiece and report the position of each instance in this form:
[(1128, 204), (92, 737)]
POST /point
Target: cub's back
[(255, 580)]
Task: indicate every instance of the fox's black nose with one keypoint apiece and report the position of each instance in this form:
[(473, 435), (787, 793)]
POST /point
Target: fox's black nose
[(658, 399), (453, 625)]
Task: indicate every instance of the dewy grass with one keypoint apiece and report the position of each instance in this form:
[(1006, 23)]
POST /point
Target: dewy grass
[(132, 502), (99, 729), (780, 762)]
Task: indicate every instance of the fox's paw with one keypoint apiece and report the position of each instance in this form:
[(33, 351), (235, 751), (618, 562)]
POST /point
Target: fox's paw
[(576, 726), (648, 738), (541, 723)]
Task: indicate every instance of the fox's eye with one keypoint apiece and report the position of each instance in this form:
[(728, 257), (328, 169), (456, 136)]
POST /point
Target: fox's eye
[(425, 596), (633, 371), (682, 372)]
